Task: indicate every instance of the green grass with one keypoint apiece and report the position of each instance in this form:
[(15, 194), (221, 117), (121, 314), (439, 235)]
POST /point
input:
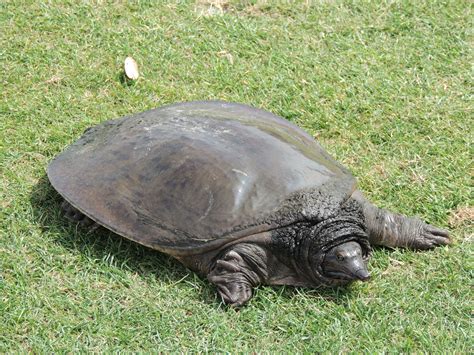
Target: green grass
[(384, 86)]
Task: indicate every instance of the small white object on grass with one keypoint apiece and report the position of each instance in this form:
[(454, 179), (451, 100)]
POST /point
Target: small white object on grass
[(131, 68)]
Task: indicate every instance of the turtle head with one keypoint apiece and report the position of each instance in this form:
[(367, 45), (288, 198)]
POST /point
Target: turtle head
[(345, 262)]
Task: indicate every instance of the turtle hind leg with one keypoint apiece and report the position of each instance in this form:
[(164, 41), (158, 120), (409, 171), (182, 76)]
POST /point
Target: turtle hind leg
[(395, 230), (74, 215), (237, 271)]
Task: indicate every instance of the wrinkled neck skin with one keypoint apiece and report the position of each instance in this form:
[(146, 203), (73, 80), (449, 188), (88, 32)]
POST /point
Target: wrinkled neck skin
[(303, 246), (292, 255)]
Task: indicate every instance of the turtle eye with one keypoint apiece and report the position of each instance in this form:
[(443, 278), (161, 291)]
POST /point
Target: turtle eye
[(339, 257)]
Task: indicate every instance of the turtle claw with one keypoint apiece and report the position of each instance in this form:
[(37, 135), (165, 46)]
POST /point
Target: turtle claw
[(437, 231), (231, 275), (227, 265), (232, 288), (430, 237), (235, 294), (75, 216), (233, 256)]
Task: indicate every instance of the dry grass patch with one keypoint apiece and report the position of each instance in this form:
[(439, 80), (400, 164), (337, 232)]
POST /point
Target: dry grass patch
[(462, 215)]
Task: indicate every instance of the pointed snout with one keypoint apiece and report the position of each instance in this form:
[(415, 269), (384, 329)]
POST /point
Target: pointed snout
[(345, 262), (359, 269), (362, 274)]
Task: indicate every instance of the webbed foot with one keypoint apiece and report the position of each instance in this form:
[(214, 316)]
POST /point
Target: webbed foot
[(425, 236), (228, 276), (237, 272), (74, 215), (395, 230)]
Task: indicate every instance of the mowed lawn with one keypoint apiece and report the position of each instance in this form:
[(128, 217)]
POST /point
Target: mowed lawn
[(385, 86)]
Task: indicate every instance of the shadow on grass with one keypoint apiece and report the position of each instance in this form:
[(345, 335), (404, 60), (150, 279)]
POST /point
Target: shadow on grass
[(102, 244), (124, 81)]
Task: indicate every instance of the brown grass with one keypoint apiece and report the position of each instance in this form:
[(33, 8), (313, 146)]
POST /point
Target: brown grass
[(461, 216)]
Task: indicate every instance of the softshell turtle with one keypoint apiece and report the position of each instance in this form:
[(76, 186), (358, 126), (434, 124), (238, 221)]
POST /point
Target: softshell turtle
[(233, 192)]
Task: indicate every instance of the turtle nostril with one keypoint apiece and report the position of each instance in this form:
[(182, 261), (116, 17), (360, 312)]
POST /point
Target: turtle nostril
[(362, 275)]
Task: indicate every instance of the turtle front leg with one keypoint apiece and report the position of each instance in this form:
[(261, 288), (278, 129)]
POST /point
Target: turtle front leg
[(395, 230), (237, 271)]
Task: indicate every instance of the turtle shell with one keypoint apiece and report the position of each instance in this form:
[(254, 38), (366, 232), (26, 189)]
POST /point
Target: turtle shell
[(193, 176)]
